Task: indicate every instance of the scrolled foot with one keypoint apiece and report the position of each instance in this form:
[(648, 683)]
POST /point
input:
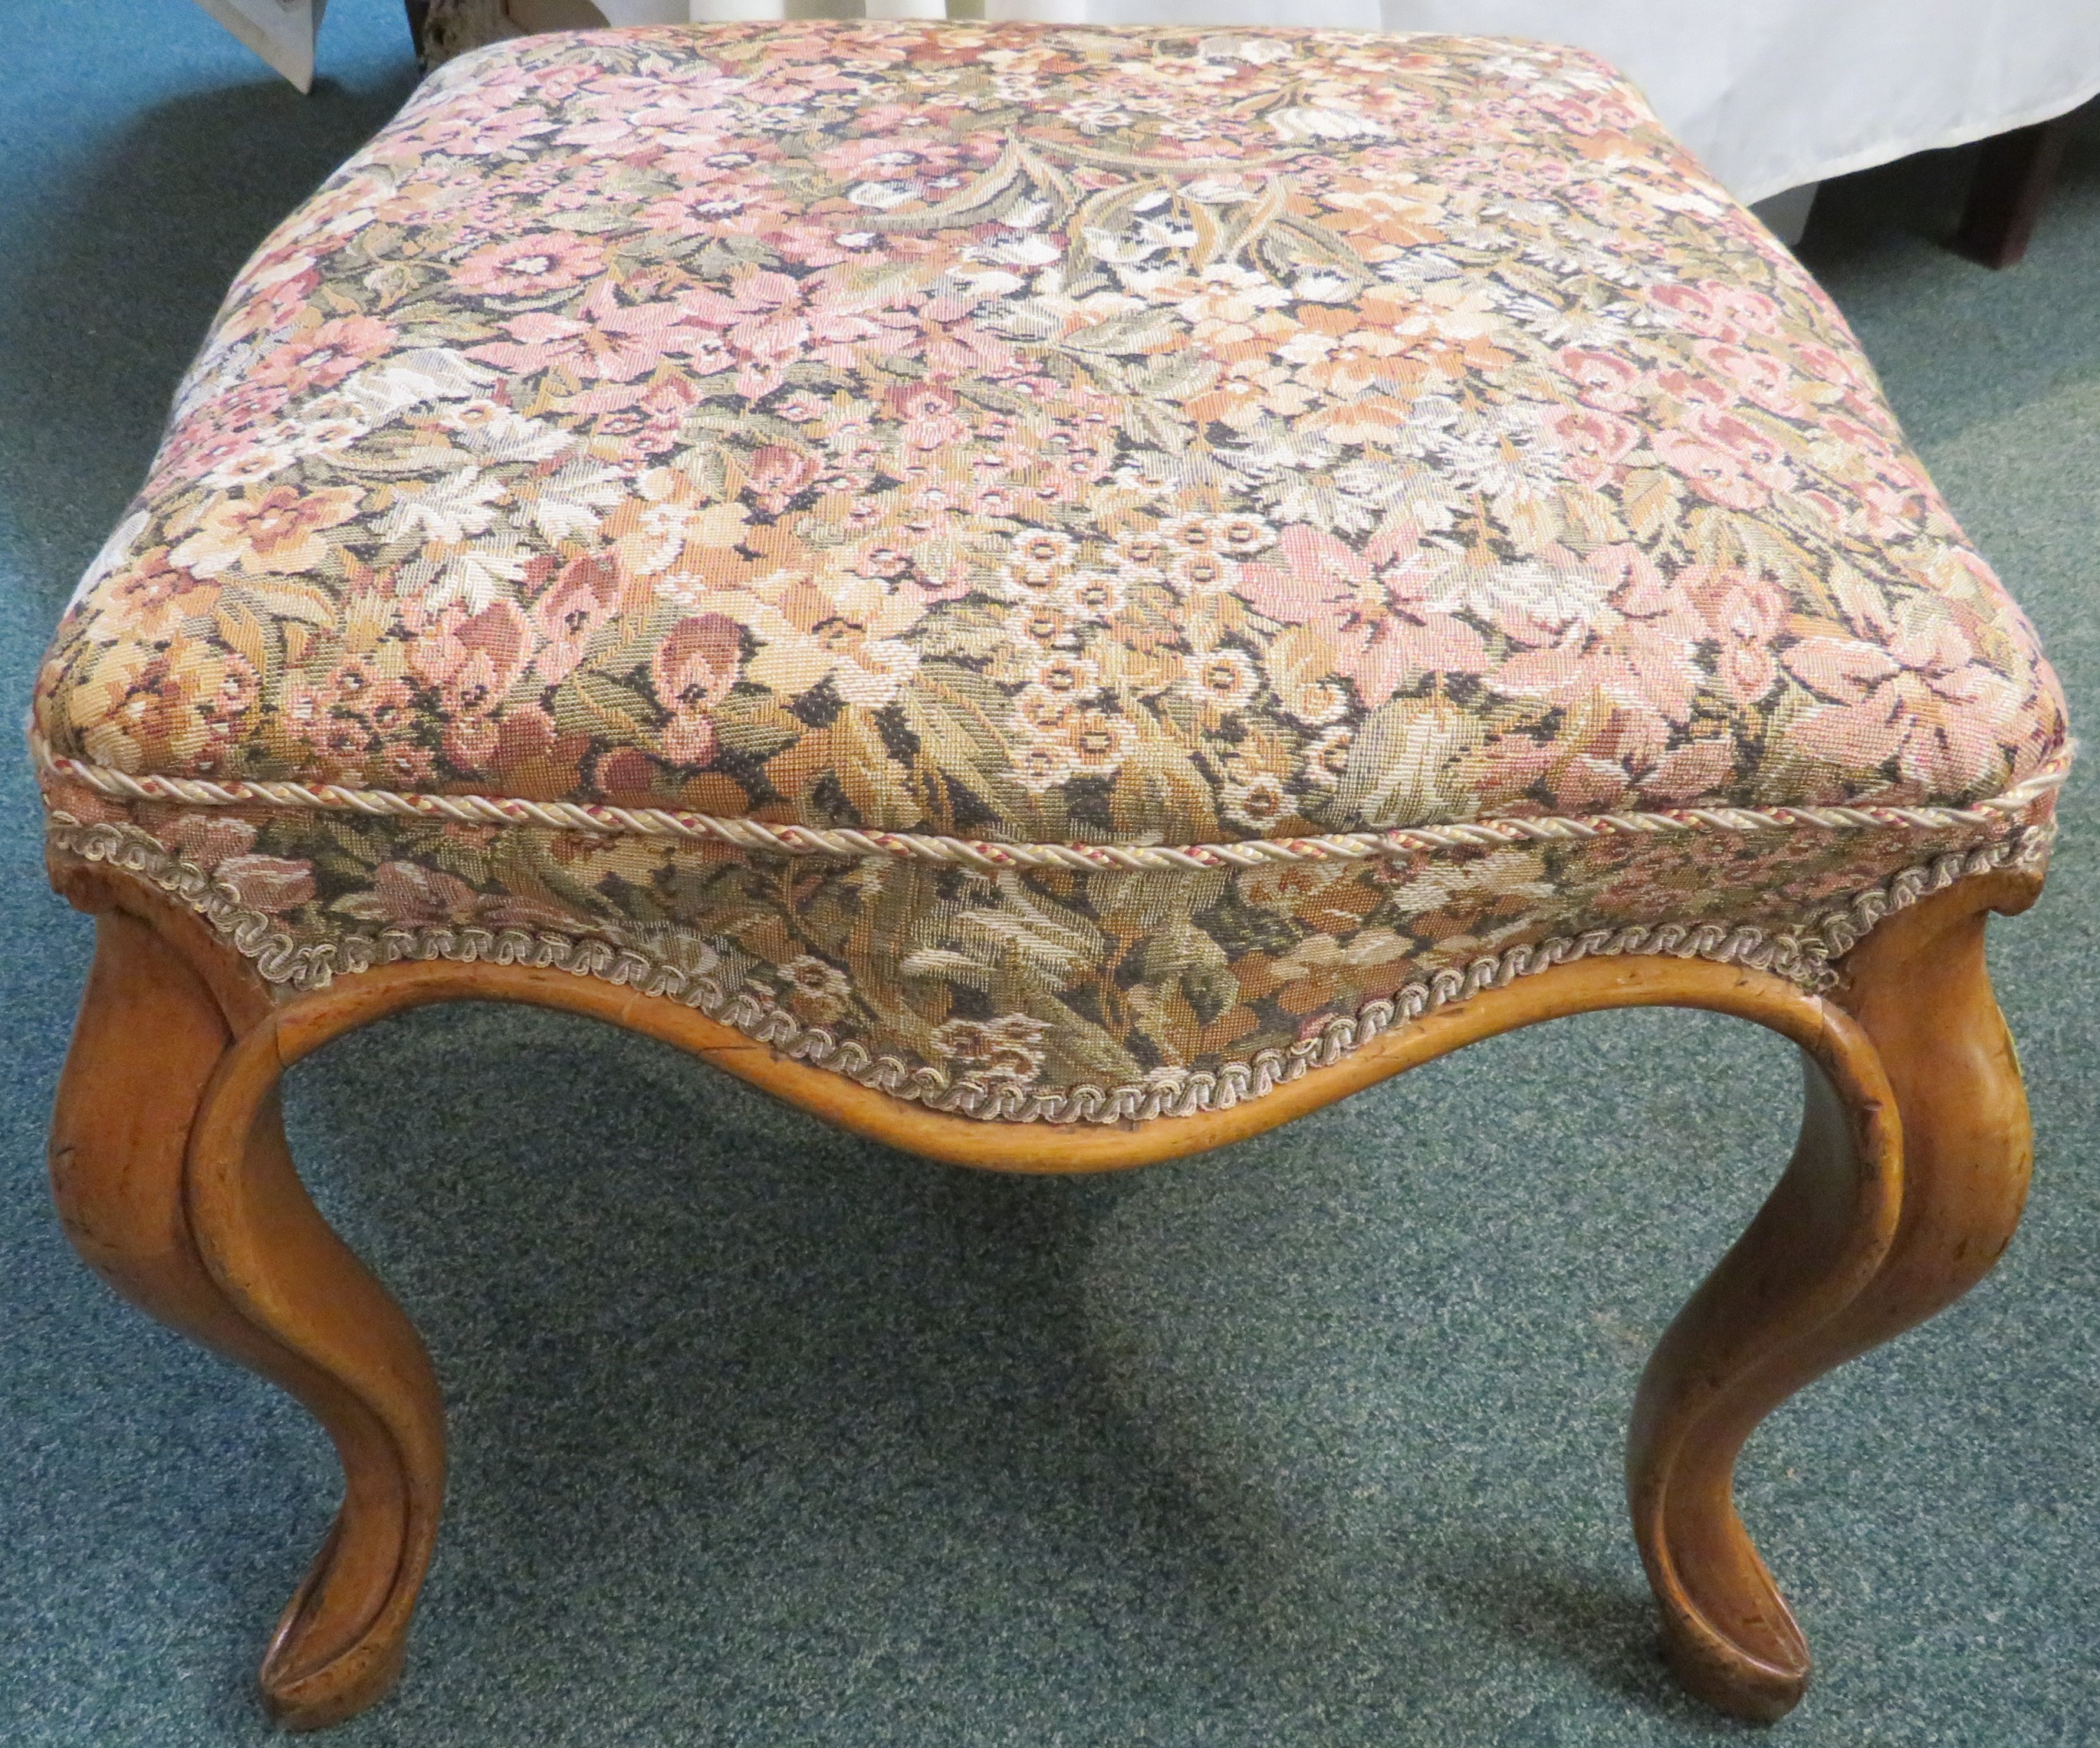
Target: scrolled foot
[(1905, 1189), (305, 1686), (1741, 1346), (358, 1365), (172, 1179)]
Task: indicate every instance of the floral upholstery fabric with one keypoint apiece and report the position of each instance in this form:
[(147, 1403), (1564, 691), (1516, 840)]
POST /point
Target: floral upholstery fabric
[(1036, 436)]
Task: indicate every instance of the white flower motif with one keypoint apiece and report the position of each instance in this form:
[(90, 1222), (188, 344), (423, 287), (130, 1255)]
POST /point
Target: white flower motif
[(1023, 252), (1323, 288), (1223, 678), (496, 434), (1218, 191), (1095, 595), (811, 976), (1306, 122), (566, 506), (1256, 51), (1041, 765), (447, 511), (380, 391), (1258, 801), (1328, 758), (252, 466), (474, 577), (881, 195), (1240, 536)]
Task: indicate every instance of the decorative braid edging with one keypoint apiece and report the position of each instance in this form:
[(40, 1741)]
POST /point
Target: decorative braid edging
[(912, 846), (1803, 956)]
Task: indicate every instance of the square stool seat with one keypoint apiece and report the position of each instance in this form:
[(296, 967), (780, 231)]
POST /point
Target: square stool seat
[(1192, 535), (1068, 577)]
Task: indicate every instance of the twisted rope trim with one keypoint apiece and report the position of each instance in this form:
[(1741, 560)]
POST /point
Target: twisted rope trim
[(1803, 957), (911, 846)]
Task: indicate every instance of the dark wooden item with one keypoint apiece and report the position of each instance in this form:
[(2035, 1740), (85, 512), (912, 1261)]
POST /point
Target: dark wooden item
[(2012, 178), (445, 28)]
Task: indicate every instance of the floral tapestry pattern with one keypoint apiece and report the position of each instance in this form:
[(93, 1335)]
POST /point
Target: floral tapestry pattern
[(997, 993), (1044, 433), (1039, 435)]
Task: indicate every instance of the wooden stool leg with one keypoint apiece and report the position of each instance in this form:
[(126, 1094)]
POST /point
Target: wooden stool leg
[(152, 1060), (1824, 1273), (1919, 988), (149, 1037), (358, 1364)]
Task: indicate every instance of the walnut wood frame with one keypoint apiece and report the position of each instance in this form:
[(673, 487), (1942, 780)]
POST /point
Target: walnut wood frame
[(173, 1179)]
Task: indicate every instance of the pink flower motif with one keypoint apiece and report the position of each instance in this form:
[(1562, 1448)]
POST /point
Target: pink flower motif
[(1686, 773), (568, 617), (269, 884), (1756, 451), (209, 839), (1694, 388), (408, 895), (1595, 443), (481, 134), (1881, 444), (615, 342), (963, 349), (1759, 376), (1888, 511), (776, 473), (1748, 309), (334, 349), (1638, 651), (764, 326), (1821, 364), (814, 245), (1602, 379), (1373, 606), (926, 414), (1834, 515), (633, 342), (1699, 311), (1908, 688), (1728, 459), (693, 670), (538, 341), (1714, 473), (473, 661), (277, 531), (521, 266), (1745, 613)]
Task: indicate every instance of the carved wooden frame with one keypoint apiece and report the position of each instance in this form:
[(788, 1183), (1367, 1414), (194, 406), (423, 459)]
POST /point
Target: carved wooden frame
[(173, 1179)]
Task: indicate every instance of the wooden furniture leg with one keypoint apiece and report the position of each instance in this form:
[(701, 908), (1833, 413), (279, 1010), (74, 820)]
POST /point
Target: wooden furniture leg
[(174, 1181), (1777, 1312), (146, 1070), (2005, 197)]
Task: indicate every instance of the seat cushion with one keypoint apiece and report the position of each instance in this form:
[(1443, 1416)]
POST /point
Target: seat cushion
[(1182, 534)]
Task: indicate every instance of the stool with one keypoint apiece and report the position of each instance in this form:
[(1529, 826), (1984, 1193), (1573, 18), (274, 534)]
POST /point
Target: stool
[(1057, 597)]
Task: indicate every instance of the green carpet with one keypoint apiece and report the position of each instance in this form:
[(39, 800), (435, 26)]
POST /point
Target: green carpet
[(765, 1436)]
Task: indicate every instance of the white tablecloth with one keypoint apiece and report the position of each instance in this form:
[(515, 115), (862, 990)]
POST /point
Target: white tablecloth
[(1769, 93)]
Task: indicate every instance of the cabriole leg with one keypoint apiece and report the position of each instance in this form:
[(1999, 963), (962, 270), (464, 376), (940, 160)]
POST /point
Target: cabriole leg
[(1821, 1276), (147, 1064)]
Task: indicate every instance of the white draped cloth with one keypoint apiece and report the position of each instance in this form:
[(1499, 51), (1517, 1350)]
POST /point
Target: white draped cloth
[(1770, 94)]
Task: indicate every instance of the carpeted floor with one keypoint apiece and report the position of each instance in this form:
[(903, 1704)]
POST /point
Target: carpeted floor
[(763, 1435)]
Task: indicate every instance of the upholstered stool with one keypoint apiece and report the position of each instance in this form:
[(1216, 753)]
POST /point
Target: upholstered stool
[(1058, 598)]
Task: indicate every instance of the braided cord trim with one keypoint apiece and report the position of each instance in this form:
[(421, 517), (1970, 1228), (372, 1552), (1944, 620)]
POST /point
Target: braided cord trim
[(1803, 956), (911, 846)]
